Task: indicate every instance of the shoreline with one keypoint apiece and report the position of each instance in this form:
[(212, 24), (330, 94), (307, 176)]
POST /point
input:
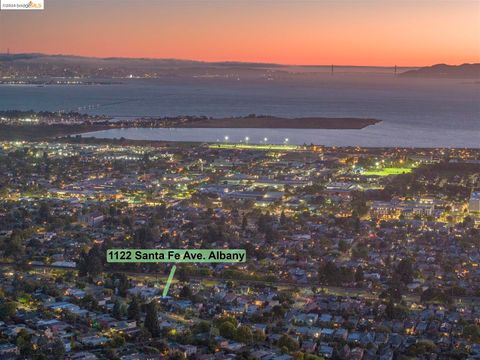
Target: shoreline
[(233, 146), (272, 122), (38, 132)]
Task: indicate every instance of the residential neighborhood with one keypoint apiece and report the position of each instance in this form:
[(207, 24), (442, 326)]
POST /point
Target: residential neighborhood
[(352, 253)]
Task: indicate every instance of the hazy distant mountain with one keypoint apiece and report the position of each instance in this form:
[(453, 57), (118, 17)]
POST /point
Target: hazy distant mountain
[(45, 66), (464, 71), (114, 61), (78, 66)]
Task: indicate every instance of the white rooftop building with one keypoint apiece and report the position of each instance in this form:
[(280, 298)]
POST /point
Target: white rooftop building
[(474, 203)]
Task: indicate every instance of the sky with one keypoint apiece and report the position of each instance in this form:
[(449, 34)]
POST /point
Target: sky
[(314, 32)]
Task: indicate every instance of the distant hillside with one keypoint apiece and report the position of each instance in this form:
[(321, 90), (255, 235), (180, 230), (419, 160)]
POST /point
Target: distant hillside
[(43, 66), (118, 61), (77, 66), (464, 71)]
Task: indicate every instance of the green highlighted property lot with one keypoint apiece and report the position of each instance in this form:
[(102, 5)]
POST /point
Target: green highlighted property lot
[(169, 281), (387, 171), (175, 256)]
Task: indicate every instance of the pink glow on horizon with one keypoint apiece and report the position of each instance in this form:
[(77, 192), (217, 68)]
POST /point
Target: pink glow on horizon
[(373, 32)]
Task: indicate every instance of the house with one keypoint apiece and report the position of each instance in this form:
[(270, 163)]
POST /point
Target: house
[(308, 319), (356, 354), (309, 346), (63, 305), (92, 219), (341, 334), (144, 292), (354, 337), (325, 318), (325, 350), (65, 264), (327, 333), (9, 351), (231, 345), (260, 327), (83, 355), (94, 340)]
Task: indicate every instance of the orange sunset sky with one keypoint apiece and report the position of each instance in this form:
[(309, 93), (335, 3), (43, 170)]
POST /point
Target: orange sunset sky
[(355, 32)]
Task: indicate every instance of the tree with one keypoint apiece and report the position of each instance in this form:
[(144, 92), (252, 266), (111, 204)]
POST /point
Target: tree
[(143, 237), (186, 293), (312, 357), (91, 263), (244, 222), (117, 310), (244, 334), (288, 342), (7, 310), (117, 341), (328, 273), (201, 327), (24, 344), (359, 274), (177, 355), (122, 284), (214, 234), (359, 204), (58, 350), (14, 245), (258, 336), (151, 319), (343, 246), (437, 295), (270, 235), (133, 311), (472, 332), (422, 347), (44, 212), (360, 252), (244, 355), (89, 302), (405, 271), (393, 292), (278, 312), (395, 312), (264, 222), (356, 224), (227, 330)]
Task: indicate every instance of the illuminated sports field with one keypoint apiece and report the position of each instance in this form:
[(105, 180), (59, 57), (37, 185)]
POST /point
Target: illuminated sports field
[(255, 147), (388, 171)]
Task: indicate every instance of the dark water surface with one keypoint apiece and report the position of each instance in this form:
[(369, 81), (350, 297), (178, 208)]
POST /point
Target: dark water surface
[(422, 113)]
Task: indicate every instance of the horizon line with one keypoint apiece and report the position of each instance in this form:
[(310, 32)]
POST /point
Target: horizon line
[(225, 61)]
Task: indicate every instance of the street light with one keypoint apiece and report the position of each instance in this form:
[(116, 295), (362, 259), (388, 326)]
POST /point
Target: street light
[(286, 140), (226, 138), (246, 139), (265, 139)]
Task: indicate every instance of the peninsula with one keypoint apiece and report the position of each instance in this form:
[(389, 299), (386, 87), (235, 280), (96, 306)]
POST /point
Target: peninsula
[(31, 125), (272, 122), (464, 71)]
